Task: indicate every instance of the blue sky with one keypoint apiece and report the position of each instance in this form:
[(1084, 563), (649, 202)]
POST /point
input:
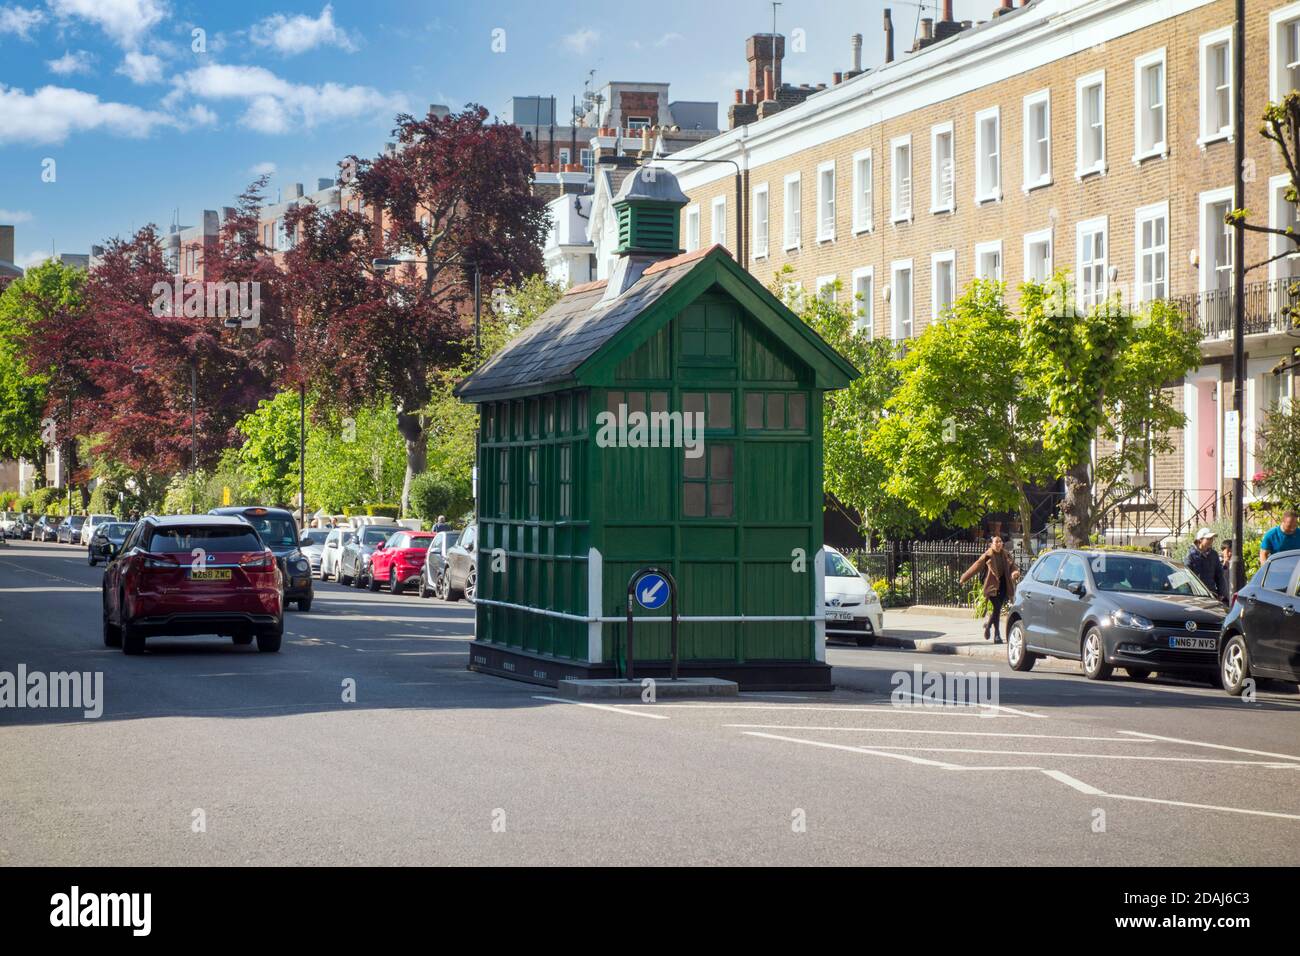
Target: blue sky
[(139, 124)]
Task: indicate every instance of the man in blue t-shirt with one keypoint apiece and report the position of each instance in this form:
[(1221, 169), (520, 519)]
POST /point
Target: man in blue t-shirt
[(1283, 537)]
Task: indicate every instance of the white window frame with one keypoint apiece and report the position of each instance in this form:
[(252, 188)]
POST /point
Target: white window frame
[(825, 202), (821, 283), (1276, 20), (897, 215), (863, 198), (564, 155), (984, 248), (865, 309), (947, 257), (1043, 97), (1224, 132), (1159, 149), (1091, 227), (1142, 216), (718, 222), (1032, 239), (988, 192), (1278, 244), (791, 179), (895, 325), (937, 204), (1081, 86), (1209, 198), (761, 240), (691, 227)]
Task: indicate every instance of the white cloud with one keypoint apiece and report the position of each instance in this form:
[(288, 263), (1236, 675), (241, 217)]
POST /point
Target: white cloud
[(141, 68), (70, 63), (20, 21), (300, 33), (13, 217), (668, 38), (264, 169), (125, 21), (580, 41), (33, 259), (53, 112), (277, 106), (201, 115)]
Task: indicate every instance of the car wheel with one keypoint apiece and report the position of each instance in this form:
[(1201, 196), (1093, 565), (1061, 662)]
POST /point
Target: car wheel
[(1234, 665), (1094, 656), (90, 559), (371, 581), (344, 579), (423, 589), (112, 635), (394, 586), (304, 605), (132, 639), (471, 586), (1137, 673), (243, 640), (1019, 658), (268, 642)]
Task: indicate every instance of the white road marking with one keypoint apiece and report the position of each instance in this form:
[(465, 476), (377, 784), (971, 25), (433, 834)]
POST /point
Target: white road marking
[(1079, 785), (1201, 743), (843, 709), (627, 711), (951, 733), (979, 704), (1272, 765), (1206, 806), (860, 750)]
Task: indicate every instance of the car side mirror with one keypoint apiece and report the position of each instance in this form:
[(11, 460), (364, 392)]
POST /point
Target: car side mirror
[(1078, 588)]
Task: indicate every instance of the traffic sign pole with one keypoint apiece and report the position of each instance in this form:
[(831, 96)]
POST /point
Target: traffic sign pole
[(651, 597)]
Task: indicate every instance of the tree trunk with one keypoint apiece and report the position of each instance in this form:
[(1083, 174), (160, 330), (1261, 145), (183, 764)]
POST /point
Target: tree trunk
[(1076, 509), (1026, 523), (416, 437)]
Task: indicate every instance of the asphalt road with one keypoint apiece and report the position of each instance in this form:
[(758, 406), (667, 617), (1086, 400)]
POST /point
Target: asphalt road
[(433, 764)]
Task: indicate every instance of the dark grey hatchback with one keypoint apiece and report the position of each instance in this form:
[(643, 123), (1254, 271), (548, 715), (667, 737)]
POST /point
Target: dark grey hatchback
[(1107, 608)]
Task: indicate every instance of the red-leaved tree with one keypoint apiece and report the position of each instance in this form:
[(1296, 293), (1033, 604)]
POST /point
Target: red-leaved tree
[(454, 194)]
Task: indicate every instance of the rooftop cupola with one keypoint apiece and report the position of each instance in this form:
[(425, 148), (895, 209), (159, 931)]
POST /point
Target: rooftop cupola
[(647, 207)]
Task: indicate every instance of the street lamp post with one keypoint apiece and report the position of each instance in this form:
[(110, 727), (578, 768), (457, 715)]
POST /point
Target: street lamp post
[(1237, 567)]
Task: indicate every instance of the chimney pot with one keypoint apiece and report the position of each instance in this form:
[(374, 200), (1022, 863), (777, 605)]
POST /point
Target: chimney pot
[(927, 26), (837, 78), (1006, 5), (855, 44), (889, 37), (740, 97), (947, 11), (7, 243)]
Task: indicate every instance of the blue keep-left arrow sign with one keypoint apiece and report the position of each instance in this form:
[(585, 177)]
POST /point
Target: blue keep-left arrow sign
[(652, 591)]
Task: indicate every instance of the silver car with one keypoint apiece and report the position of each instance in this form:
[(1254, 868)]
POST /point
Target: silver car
[(435, 562), (335, 542), (312, 546)]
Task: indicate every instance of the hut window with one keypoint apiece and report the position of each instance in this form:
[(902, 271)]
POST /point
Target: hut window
[(776, 411), (708, 483), (534, 486), (566, 408), (566, 481), (503, 483), (519, 419), (489, 420), (707, 334), (715, 406), (549, 402), (580, 413), (534, 415)]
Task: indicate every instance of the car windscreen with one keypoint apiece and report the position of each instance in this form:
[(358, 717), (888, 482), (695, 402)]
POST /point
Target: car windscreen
[(837, 566), (375, 535), (1114, 572), (117, 531), (317, 535), (77, 521), (183, 540), (276, 532)]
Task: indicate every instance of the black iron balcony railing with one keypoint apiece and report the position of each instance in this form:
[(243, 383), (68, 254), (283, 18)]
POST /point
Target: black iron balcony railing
[(1267, 305)]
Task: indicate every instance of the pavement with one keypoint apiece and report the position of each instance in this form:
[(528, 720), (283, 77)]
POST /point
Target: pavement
[(366, 741), (940, 630)]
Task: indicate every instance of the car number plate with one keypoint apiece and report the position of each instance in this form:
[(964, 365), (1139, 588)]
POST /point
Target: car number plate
[(1193, 643), (838, 616), (212, 574)]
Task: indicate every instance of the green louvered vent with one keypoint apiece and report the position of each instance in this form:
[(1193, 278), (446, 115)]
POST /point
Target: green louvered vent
[(647, 227)]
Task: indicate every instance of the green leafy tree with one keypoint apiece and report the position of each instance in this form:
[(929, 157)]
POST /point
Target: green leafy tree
[(855, 476), (964, 433), (1103, 374), (1278, 456), (355, 459), (268, 458)]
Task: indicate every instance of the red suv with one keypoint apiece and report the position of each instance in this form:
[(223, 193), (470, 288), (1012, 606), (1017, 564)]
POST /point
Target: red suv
[(399, 560), (193, 574)]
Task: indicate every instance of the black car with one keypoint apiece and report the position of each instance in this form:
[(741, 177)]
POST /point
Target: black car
[(107, 540), (1261, 635), (1142, 612), (69, 530), (278, 529), (47, 528)]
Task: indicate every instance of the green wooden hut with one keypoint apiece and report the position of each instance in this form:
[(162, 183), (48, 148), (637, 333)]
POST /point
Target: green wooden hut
[(569, 509)]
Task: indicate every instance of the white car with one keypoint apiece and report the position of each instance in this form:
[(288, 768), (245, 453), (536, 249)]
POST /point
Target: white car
[(92, 522), (853, 610), (335, 541)]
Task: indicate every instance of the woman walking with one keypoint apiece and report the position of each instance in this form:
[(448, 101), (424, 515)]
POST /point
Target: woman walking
[(1000, 576)]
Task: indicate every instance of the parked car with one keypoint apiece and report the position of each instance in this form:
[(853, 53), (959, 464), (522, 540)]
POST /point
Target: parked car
[(335, 542), (91, 523), (399, 560), (107, 541), (24, 527), (47, 528), (354, 562), (1261, 634), (312, 545), (460, 579), (435, 562), (1142, 612), (154, 586), (853, 610), (9, 523), (280, 532), (70, 529)]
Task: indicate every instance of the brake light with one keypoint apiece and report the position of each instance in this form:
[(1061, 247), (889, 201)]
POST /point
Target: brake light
[(258, 562), (160, 563)]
